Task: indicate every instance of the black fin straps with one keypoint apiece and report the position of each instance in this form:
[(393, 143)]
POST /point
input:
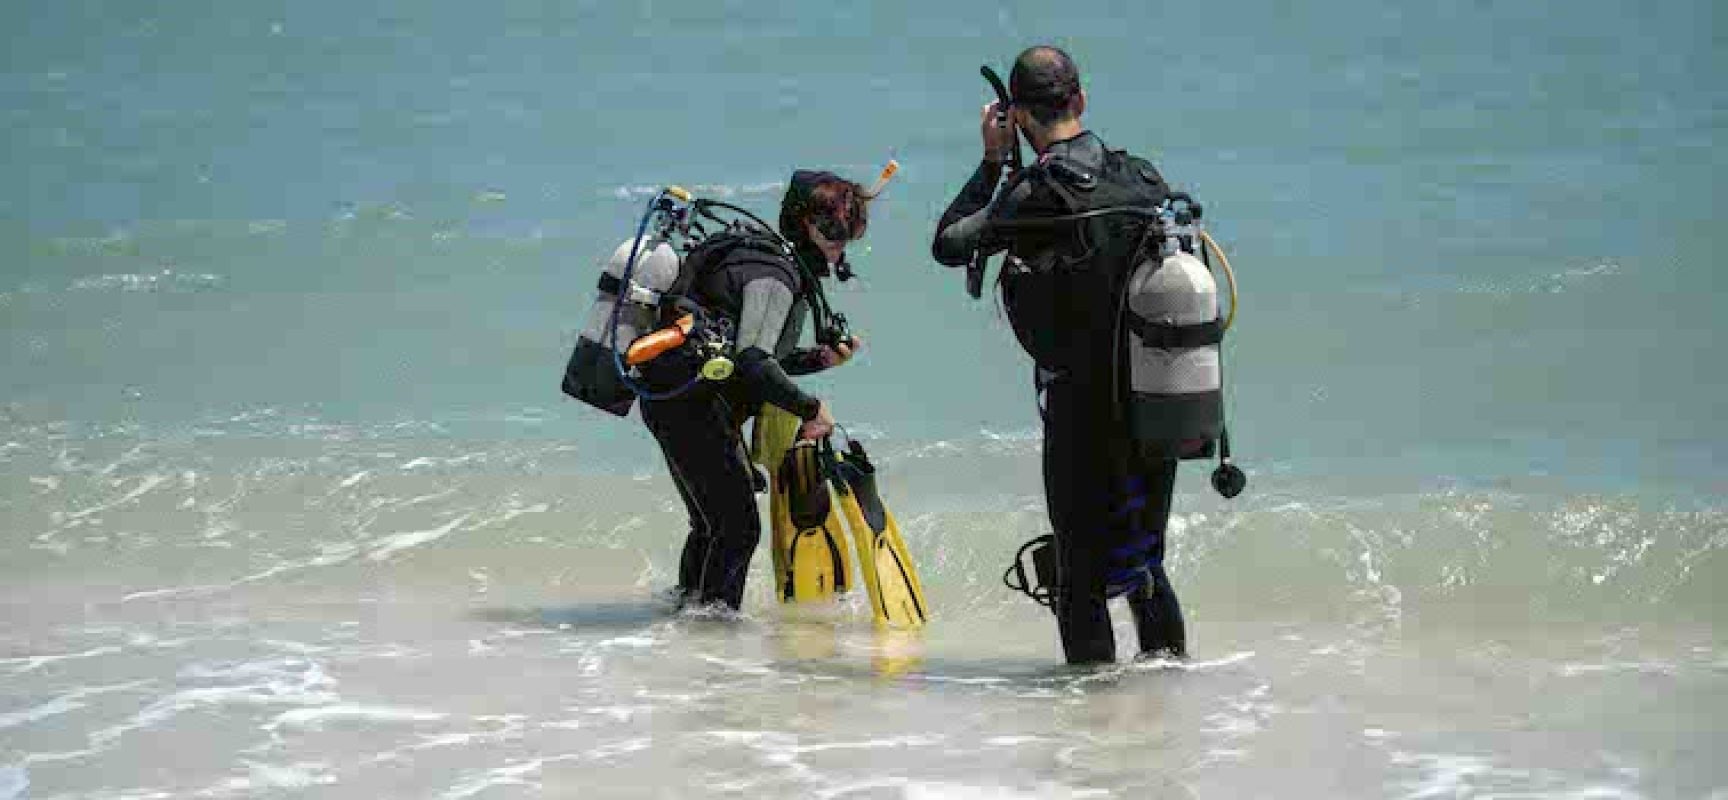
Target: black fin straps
[(807, 498), (1042, 585)]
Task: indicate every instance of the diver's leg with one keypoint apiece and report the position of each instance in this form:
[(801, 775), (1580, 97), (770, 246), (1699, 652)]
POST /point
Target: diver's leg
[(663, 421), (1072, 493), (702, 451), (690, 560), (1157, 613), (1158, 617)]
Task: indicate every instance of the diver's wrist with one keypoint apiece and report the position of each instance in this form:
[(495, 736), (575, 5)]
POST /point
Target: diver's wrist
[(810, 409)]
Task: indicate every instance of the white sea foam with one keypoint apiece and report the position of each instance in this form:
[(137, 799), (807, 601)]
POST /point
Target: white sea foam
[(712, 190), (174, 591), (911, 789), (1448, 775), (398, 503), (261, 778), (14, 781), (63, 704), (742, 667), (1573, 670), (607, 752), (147, 483), (278, 682), (166, 279), (316, 718), (515, 774), (388, 546), (1194, 666), (59, 705), (1015, 741), (618, 713), (924, 740)]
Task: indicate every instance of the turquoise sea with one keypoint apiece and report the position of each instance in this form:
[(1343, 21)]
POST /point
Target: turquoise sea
[(291, 505)]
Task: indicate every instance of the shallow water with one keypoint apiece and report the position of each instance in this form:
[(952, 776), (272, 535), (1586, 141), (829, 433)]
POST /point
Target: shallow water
[(413, 618), (290, 505)]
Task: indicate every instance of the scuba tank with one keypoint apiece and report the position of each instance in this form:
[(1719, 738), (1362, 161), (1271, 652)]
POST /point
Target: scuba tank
[(640, 285), (645, 283), (1174, 404), (592, 375)]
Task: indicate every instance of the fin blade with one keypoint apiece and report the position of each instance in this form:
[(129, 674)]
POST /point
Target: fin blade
[(818, 563), (771, 435), (812, 576), (900, 603), (896, 596)]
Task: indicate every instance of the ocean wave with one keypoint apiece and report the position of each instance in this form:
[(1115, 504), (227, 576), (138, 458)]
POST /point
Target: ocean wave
[(261, 778), (514, 774), (14, 781), (711, 190), (1551, 283), (166, 280), (316, 718), (293, 682)]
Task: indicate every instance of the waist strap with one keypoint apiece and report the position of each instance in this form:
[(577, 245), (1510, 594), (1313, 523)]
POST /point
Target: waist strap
[(1171, 337)]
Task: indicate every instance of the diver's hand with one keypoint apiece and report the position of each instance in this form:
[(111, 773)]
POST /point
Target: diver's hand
[(999, 135), (840, 353), (819, 427)]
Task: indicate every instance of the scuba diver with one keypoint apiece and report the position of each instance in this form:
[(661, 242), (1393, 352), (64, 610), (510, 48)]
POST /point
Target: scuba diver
[(744, 277), (1125, 390), (734, 308)]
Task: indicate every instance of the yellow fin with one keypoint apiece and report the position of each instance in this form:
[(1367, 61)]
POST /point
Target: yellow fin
[(808, 536), (890, 578)]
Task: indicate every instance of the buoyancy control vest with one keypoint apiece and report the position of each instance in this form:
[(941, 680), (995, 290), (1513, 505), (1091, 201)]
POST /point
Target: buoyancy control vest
[(1098, 300), (663, 286), (712, 279)]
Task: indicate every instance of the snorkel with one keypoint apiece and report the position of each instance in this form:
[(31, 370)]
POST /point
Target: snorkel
[(975, 269), (888, 173)]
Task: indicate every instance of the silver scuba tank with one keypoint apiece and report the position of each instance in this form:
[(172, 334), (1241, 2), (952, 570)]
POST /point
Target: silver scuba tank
[(1175, 392), (592, 374)]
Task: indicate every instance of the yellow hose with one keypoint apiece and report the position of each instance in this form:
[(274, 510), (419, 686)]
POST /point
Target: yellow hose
[(1231, 276)]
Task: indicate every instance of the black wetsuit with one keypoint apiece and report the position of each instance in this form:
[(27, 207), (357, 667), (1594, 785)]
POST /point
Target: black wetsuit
[(762, 293), (1109, 508)]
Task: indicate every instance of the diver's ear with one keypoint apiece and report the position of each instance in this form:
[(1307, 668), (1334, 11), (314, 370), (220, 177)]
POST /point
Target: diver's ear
[(1080, 104)]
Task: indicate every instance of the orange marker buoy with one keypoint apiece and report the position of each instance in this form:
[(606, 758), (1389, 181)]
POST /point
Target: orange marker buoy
[(651, 346)]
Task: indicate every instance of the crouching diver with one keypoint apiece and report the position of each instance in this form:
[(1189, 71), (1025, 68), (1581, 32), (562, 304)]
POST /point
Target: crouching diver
[(1081, 287), (733, 308)]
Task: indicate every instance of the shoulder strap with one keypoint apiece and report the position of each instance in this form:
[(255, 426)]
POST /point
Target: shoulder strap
[(1067, 180), (717, 248)]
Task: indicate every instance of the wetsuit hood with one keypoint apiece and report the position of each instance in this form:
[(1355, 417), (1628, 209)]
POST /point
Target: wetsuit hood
[(794, 208)]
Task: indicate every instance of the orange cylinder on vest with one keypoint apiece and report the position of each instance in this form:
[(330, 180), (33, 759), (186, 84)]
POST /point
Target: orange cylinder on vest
[(651, 346)]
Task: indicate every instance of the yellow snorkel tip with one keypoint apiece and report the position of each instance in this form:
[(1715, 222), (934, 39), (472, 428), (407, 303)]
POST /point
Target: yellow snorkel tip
[(679, 192)]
